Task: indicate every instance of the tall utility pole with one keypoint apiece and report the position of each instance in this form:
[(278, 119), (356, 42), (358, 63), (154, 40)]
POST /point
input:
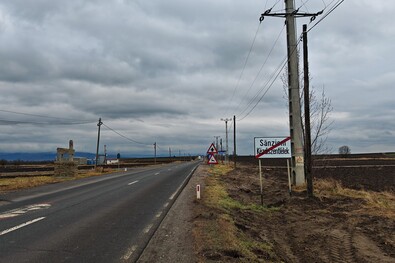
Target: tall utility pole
[(234, 139), (307, 137), (98, 140), (226, 138), (295, 116)]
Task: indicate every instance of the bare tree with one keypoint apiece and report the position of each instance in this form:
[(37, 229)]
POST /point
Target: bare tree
[(344, 150), (320, 110)]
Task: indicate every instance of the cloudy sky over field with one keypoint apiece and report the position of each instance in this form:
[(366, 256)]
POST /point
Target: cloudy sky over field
[(168, 71)]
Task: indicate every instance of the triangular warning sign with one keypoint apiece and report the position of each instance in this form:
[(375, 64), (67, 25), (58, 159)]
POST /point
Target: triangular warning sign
[(212, 160), (212, 149)]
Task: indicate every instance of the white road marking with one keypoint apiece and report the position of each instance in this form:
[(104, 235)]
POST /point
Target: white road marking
[(133, 182), (129, 253), (158, 214), (20, 226), (23, 210), (157, 173), (148, 228), (178, 189), (173, 195), (165, 205)]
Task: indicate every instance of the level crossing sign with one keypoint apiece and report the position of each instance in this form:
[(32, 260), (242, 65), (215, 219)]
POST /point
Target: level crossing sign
[(212, 160)]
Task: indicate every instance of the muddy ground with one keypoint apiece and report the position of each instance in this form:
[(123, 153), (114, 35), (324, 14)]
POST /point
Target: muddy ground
[(327, 228), (340, 226)]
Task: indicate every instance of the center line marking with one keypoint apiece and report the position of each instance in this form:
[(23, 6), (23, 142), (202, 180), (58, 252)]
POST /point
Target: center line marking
[(133, 182), (20, 226)]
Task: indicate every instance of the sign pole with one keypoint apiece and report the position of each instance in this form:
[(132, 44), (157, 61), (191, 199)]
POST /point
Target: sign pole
[(289, 179), (260, 180)]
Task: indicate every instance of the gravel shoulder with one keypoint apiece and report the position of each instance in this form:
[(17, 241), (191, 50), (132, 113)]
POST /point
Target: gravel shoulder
[(173, 240)]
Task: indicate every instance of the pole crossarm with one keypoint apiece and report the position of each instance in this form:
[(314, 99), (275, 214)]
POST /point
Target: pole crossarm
[(295, 13)]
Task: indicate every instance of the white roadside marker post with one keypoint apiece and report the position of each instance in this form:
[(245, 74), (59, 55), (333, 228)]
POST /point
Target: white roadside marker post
[(198, 191)]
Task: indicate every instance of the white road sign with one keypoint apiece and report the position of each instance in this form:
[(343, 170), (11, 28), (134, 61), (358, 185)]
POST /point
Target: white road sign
[(272, 147)]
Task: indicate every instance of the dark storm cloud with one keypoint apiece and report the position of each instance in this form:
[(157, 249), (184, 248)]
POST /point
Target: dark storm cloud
[(169, 70)]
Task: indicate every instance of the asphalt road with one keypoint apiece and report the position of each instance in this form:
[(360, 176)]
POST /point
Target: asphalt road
[(103, 219)]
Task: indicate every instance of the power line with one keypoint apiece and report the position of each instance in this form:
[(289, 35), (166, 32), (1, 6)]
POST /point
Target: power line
[(5, 122), (123, 136), (278, 70), (336, 5), (72, 121), (245, 63), (267, 85), (259, 72), (248, 56)]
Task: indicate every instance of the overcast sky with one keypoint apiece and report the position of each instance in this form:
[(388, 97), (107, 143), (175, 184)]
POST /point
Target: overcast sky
[(168, 71)]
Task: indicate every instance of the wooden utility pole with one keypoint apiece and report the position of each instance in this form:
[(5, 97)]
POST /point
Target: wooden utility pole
[(155, 153), (307, 128), (98, 141), (226, 134), (234, 139)]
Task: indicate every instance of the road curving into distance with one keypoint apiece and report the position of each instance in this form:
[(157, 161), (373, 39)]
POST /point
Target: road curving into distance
[(102, 219)]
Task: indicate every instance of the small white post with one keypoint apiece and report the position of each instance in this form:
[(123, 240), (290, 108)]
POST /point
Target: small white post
[(198, 191)]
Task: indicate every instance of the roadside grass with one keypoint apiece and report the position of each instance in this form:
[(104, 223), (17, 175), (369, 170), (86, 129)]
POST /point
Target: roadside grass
[(379, 203), (23, 182), (217, 234)]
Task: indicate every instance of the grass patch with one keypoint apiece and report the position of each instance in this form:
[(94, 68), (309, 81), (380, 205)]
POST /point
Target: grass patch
[(217, 235)]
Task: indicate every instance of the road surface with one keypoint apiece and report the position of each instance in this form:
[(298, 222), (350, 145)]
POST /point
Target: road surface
[(102, 219)]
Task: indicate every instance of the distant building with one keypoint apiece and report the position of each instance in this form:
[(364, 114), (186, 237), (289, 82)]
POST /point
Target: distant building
[(112, 161)]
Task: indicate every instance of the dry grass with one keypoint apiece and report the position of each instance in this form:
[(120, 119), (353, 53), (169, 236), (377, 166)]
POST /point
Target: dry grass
[(18, 183), (378, 203)]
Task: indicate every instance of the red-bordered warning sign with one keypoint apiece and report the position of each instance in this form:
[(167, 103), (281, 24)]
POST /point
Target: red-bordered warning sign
[(212, 149), (212, 160)]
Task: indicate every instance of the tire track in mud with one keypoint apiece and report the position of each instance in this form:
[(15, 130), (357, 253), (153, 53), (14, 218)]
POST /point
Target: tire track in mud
[(340, 244)]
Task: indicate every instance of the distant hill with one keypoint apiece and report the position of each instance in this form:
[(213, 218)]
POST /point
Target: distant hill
[(40, 156)]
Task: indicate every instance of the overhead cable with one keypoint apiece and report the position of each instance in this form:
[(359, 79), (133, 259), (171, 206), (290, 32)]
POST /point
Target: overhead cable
[(125, 137)]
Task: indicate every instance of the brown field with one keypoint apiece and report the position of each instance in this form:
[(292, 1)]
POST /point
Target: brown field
[(350, 219)]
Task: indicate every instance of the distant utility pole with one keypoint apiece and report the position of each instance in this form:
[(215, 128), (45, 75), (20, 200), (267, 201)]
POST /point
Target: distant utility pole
[(169, 152), (226, 139), (295, 116), (216, 142), (155, 153), (98, 141), (105, 153)]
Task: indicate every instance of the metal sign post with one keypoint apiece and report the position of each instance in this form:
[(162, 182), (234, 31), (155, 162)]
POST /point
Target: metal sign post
[(272, 147), (260, 180)]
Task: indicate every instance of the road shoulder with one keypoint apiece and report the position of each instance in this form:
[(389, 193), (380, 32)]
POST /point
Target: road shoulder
[(173, 240)]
